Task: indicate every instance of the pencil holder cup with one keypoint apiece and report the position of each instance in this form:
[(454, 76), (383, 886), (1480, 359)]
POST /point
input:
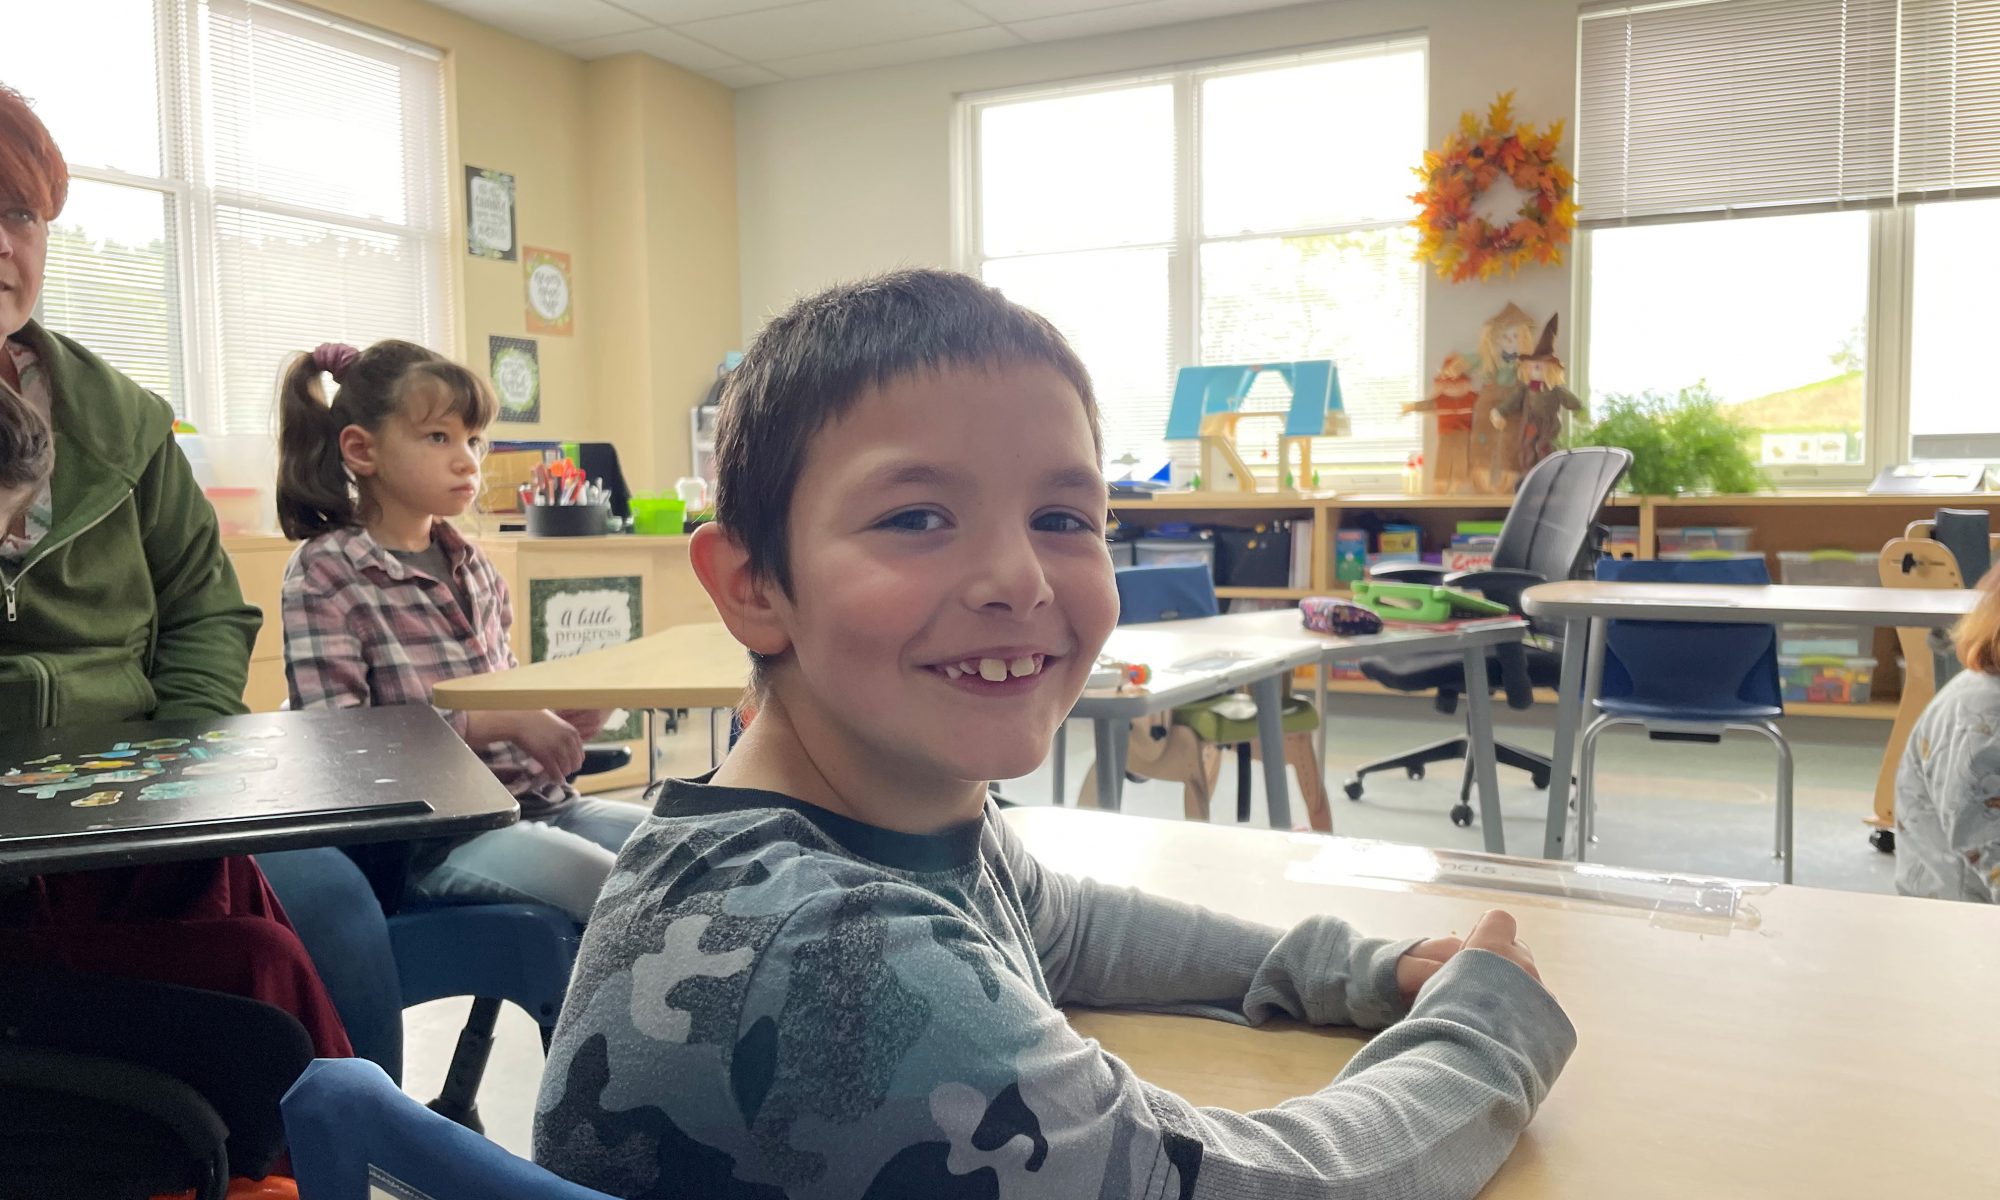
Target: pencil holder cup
[(567, 520), (658, 516)]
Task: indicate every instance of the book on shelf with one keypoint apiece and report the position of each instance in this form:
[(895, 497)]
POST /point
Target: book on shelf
[(1302, 543)]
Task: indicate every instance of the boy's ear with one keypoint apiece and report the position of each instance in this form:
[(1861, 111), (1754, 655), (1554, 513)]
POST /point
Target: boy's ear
[(750, 606), (357, 450)]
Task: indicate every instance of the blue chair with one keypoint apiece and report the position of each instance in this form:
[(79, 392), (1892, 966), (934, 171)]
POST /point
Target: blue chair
[(349, 1126), (1688, 681)]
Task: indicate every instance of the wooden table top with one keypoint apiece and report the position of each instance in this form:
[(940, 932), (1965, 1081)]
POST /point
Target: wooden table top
[(1817, 1044), (685, 666), (1750, 604)]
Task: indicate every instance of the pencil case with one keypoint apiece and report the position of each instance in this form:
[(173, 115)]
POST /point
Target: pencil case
[(1421, 602), (1328, 614)]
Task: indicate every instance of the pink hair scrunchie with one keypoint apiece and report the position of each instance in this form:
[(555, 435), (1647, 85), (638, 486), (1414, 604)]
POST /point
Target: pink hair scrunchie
[(335, 358)]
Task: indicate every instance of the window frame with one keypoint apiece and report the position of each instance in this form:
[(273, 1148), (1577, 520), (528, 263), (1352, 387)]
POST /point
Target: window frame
[(195, 289), (1184, 295)]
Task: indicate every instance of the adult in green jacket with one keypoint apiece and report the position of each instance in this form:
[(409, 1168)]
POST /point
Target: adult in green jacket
[(126, 607), (117, 603)]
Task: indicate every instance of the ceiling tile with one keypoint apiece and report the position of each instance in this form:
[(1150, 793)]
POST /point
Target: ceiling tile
[(823, 25), (552, 23), (742, 77), (675, 12), (1127, 17), (1029, 10), (660, 43), (885, 54)]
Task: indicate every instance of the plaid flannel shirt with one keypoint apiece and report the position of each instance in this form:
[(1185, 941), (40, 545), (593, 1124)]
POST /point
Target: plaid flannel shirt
[(364, 629)]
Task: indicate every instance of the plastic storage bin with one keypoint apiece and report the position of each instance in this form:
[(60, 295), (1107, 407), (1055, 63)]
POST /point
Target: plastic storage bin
[(1150, 550), (1826, 679), (1704, 537), (238, 510), (1826, 568)]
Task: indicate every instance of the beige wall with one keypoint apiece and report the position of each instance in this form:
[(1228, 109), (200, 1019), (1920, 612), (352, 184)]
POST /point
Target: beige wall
[(628, 166), (850, 174)]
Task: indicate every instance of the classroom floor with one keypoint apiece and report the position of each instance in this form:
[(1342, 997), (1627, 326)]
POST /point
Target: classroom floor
[(1705, 809)]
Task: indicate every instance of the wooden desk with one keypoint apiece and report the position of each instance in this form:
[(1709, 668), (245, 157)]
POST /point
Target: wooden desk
[(1823, 1044), (326, 761), (1583, 606)]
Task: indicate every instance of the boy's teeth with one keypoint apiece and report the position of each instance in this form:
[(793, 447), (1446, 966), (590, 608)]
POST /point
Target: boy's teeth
[(953, 670), (992, 670), (1024, 665)]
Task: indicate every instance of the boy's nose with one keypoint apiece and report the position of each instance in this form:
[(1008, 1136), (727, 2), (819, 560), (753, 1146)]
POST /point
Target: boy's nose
[(1010, 577)]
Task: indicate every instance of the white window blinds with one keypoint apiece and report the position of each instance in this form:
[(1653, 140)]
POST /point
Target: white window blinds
[(1949, 140), (325, 155), (250, 178), (1712, 108)]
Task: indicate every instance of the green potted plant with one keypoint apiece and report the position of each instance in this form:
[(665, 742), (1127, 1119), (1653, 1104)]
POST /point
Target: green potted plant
[(1684, 442)]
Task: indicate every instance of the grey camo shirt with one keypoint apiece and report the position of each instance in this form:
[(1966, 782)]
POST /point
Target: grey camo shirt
[(775, 1001)]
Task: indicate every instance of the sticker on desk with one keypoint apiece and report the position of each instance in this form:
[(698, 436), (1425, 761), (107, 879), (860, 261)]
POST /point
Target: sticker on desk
[(98, 799), (189, 789), (1665, 895)]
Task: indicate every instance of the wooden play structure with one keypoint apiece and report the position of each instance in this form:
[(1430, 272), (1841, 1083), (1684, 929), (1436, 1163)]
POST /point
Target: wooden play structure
[(1207, 407)]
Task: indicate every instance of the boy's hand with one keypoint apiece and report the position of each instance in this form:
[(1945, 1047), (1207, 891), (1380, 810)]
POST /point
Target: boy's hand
[(588, 722), (1495, 932), (550, 741), (1422, 961)]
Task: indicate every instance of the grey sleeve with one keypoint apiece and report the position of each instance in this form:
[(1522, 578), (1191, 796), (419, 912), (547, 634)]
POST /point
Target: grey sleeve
[(1968, 805), (1119, 947), (905, 1034)]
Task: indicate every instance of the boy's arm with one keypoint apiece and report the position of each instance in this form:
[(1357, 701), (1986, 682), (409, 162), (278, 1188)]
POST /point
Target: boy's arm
[(1119, 947), (906, 1031)]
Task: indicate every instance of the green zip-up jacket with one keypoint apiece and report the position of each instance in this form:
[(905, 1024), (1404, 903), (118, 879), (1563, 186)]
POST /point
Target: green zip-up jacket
[(128, 608)]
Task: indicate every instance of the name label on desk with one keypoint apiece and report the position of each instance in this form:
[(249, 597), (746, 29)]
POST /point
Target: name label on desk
[(567, 617)]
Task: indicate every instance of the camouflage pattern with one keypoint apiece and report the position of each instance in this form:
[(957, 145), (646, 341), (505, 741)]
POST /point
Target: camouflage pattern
[(776, 1001)]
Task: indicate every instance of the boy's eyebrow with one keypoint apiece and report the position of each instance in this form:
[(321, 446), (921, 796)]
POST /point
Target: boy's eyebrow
[(1074, 478), (897, 474)]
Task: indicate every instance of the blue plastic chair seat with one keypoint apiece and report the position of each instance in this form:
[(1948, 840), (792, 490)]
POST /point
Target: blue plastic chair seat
[(516, 952), (1712, 714)]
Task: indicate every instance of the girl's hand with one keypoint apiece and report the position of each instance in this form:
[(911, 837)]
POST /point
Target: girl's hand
[(588, 722), (550, 741)]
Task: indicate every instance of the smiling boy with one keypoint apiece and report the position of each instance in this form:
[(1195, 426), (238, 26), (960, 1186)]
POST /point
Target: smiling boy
[(830, 971)]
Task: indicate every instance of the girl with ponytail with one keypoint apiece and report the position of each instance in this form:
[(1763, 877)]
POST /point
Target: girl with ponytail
[(385, 599)]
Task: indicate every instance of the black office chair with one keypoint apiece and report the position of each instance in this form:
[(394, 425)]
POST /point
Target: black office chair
[(1550, 533), (118, 1089)]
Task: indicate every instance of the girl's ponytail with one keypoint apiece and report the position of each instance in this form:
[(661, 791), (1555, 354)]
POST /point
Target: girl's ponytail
[(314, 493)]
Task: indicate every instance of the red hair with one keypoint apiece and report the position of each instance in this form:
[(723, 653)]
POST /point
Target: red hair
[(1977, 636), (31, 167)]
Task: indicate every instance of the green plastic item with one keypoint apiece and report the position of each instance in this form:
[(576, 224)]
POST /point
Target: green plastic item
[(1422, 602), (658, 516)]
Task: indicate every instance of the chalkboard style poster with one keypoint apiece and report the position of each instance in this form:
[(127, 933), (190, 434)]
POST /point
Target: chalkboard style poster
[(567, 617)]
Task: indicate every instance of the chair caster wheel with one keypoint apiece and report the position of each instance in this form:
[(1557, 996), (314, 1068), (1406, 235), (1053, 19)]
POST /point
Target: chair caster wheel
[(1883, 840), (1541, 780), (1353, 789), (1416, 772), (1461, 816)]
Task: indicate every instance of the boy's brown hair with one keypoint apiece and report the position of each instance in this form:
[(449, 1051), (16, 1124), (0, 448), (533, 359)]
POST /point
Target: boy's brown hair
[(27, 450), (1977, 634), (812, 362)]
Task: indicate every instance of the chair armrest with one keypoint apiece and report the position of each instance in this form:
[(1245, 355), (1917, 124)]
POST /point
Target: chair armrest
[(1502, 585), (598, 759), (1407, 572)]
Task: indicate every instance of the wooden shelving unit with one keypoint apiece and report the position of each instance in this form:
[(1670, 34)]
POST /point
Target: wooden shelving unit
[(1790, 520)]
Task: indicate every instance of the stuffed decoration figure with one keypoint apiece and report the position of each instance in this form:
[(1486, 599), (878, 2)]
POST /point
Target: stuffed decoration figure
[(1503, 341), (1453, 395), (1538, 401)]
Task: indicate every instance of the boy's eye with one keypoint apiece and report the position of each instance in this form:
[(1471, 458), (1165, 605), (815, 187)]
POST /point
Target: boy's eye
[(1062, 522), (916, 520), (436, 438)]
